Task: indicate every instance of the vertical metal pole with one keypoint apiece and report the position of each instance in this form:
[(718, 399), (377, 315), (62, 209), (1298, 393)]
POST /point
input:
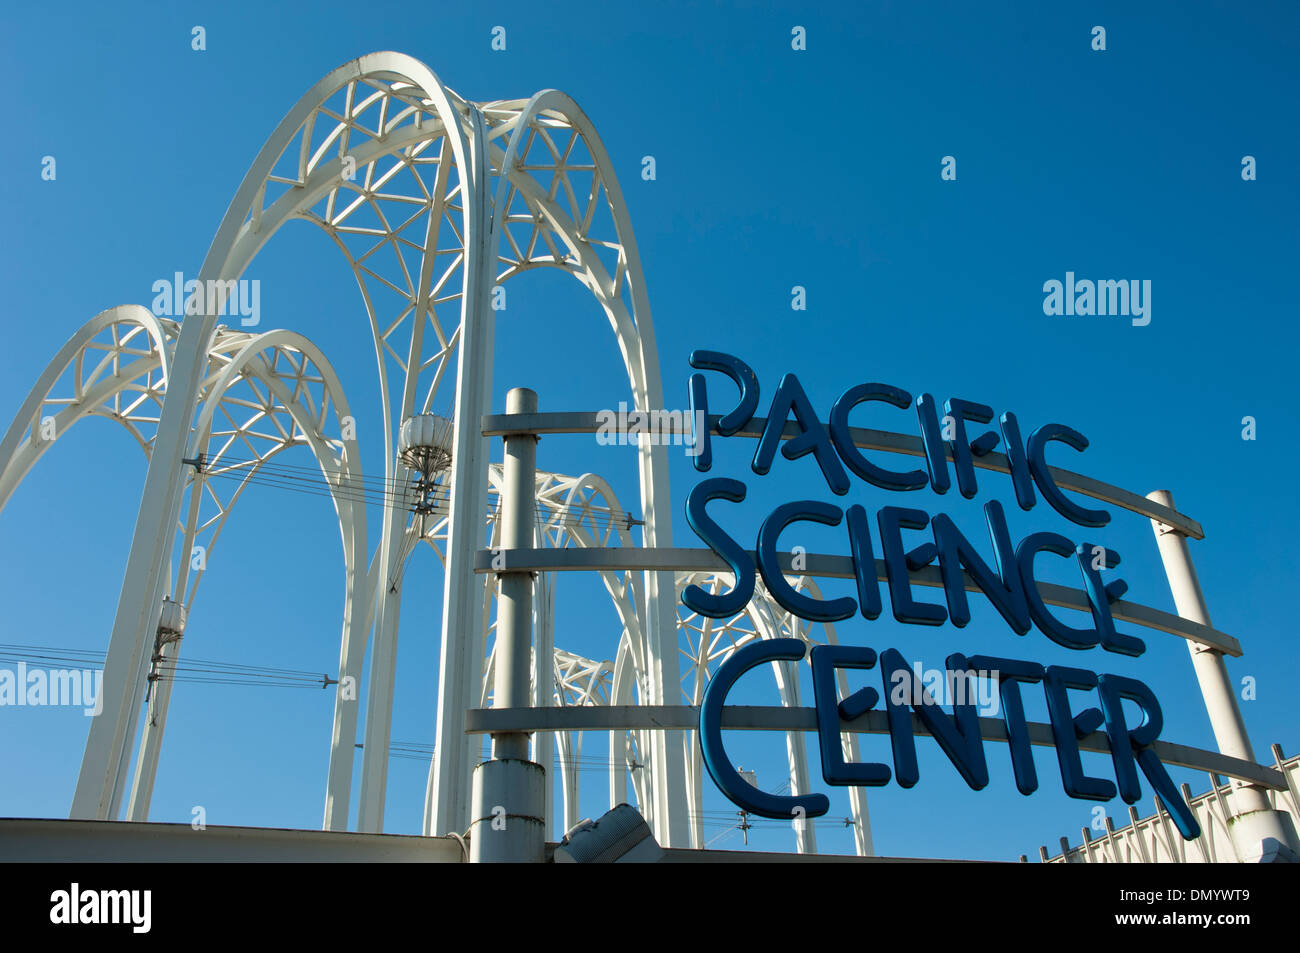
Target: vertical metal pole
[(509, 798), (146, 765), (352, 651), (460, 661), (124, 753), (1254, 821), (387, 594), (513, 685), (544, 684), (379, 701)]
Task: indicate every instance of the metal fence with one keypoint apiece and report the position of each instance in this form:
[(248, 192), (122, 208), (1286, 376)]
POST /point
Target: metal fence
[(1155, 840)]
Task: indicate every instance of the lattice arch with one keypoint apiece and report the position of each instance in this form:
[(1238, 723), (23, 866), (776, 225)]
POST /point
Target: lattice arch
[(432, 200), (115, 366), (263, 394)]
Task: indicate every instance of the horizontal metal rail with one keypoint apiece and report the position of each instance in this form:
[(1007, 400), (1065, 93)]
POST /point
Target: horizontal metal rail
[(577, 422), (780, 718), (638, 559)]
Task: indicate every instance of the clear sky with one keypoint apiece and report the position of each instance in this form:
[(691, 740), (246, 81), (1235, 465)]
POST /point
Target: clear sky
[(776, 168)]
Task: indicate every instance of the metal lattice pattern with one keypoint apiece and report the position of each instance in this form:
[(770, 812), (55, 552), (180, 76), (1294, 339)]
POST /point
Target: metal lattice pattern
[(262, 394), (432, 201)]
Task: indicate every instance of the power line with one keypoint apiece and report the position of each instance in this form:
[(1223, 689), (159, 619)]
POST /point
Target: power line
[(378, 490), (204, 671)]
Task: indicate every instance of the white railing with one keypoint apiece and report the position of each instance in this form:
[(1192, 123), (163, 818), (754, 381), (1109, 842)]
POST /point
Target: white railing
[(1155, 839)]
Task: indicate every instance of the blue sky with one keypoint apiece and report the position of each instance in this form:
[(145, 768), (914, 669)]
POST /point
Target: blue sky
[(775, 168)]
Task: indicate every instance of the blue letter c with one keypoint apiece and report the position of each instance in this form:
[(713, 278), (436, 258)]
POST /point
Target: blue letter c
[(743, 794)]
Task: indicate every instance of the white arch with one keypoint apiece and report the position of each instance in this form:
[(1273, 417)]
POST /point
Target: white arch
[(123, 385), (390, 117), (93, 387), (623, 296), (241, 233), (339, 460)]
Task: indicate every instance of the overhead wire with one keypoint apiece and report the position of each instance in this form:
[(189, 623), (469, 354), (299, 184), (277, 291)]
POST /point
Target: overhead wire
[(215, 672), (206, 671), (380, 490), (421, 751)]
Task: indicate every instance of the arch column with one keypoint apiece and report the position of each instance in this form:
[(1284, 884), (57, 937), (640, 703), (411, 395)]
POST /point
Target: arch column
[(342, 472), (459, 669), (242, 232)]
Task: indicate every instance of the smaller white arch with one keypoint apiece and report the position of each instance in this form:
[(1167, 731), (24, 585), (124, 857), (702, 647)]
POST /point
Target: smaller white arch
[(93, 388)]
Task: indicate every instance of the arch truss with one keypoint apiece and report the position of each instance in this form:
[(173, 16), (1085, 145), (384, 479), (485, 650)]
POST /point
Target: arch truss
[(433, 202), (261, 395)]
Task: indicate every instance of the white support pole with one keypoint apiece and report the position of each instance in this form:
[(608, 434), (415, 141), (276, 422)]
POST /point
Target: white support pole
[(352, 650), (620, 693), (459, 671), (568, 777), (544, 683), (137, 702), (695, 795), (146, 765), (1258, 831), (383, 673), (805, 835), (509, 800), (667, 749), (669, 820), (136, 621), (513, 676)]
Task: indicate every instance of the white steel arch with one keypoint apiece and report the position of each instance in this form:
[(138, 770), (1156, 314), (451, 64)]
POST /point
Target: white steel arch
[(533, 228), (272, 391), (432, 200), (247, 225), (397, 169), (116, 366)]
